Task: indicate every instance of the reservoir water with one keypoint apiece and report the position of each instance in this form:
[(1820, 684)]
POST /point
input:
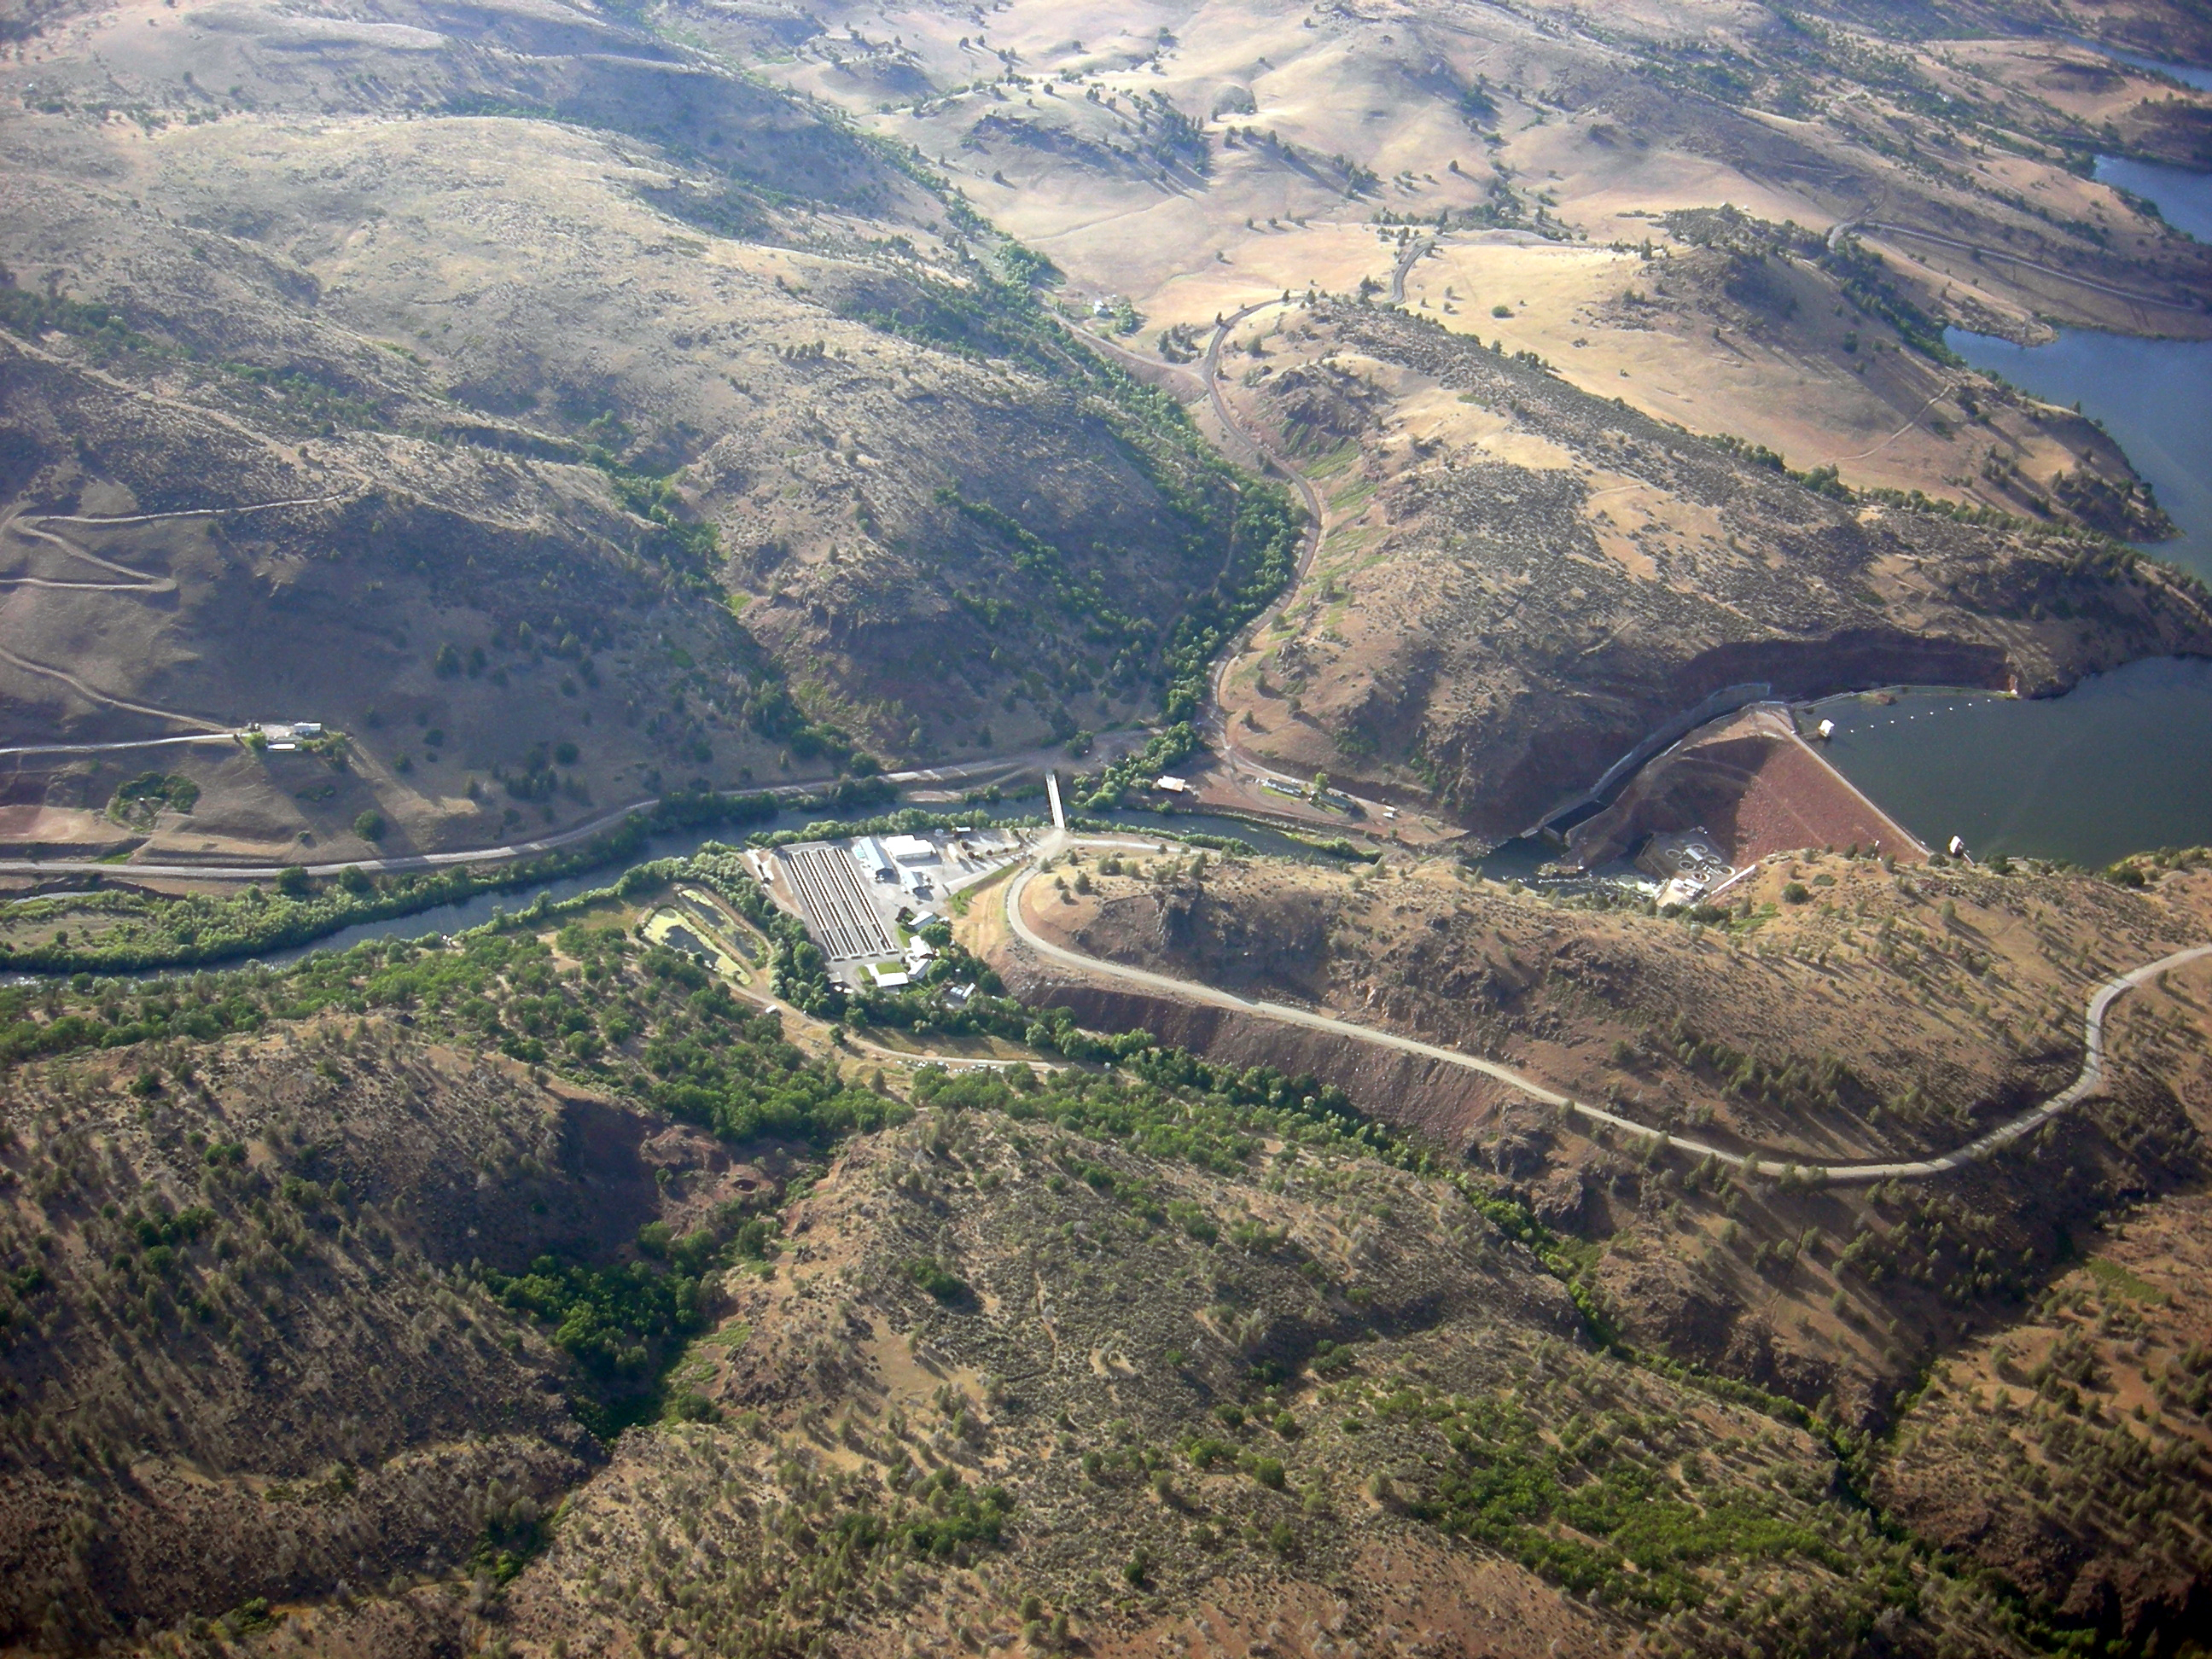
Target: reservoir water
[(2190, 75), (2184, 199), (2121, 764), (2152, 396)]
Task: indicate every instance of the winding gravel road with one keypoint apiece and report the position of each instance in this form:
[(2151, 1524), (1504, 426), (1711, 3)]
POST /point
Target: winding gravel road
[(130, 743), (1215, 717), (2090, 1079), (17, 523), (93, 694)]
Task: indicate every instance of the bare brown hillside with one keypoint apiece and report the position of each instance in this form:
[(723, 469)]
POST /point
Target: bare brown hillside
[(505, 378), (1220, 152), (989, 1397), (447, 1349), (2059, 1439), (1521, 582)]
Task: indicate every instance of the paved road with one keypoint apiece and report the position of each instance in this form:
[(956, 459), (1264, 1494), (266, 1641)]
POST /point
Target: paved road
[(1407, 259), (2091, 1078), (376, 866), (416, 861), (958, 772), (1210, 368)]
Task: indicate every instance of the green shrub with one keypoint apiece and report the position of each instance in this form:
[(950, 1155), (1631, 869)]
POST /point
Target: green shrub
[(613, 1320), (938, 1279), (1330, 1357), (1205, 1452), (958, 1516), (690, 1408), (142, 797)]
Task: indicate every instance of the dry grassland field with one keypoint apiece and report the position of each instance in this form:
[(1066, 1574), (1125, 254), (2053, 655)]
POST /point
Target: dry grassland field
[(1440, 1126)]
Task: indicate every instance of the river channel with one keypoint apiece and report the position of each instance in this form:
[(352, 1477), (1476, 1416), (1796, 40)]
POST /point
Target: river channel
[(473, 912)]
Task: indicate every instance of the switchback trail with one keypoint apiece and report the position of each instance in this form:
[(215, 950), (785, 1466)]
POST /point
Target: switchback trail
[(140, 583), (93, 694), (2092, 1075)]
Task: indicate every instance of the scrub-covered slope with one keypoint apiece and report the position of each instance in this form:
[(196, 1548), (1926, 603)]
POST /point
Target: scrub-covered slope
[(1081, 1361), (526, 380)]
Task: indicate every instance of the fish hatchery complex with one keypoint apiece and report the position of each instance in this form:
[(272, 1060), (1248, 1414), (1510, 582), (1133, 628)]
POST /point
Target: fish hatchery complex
[(862, 898)]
